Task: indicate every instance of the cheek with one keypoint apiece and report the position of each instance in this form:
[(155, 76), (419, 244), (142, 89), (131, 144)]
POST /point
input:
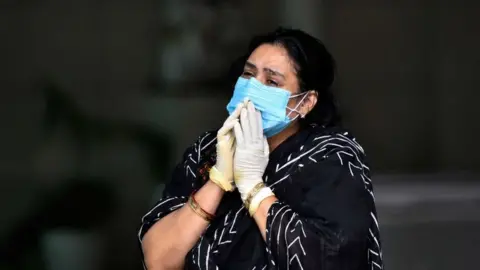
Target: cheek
[(293, 107), (292, 103), (293, 89)]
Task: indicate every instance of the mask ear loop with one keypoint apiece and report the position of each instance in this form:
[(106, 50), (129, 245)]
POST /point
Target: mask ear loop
[(298, 104)]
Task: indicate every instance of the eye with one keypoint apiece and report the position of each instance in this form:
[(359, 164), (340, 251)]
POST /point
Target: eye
[(247, 74), (272, 83)]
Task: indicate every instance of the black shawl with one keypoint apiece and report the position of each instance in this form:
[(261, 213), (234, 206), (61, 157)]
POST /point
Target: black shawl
[(325, 217)]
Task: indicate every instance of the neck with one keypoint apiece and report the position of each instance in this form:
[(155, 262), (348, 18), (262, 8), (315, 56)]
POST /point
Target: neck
[(276, 140)]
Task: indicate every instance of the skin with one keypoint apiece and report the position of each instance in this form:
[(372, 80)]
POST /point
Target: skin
[(168, 241), (271, 65)]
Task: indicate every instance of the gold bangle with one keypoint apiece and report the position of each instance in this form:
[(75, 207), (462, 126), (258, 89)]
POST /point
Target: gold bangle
[(252, 194), (198, 210), (261, 195)]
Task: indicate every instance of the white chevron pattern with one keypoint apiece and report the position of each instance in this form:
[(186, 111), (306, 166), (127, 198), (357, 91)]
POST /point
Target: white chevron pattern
[(347, 151), (293, 235)]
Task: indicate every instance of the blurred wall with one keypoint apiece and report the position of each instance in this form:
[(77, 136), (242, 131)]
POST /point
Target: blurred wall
[(100, 52), (409, 80)]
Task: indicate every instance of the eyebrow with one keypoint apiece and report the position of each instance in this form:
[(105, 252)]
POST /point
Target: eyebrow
[(273, 72), (269, 70), (250, 65)]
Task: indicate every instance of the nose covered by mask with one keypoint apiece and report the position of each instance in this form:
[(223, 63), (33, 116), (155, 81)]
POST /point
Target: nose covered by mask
[(271, 102)]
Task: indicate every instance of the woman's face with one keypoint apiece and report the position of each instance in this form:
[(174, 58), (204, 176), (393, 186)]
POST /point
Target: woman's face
[(272, 66)]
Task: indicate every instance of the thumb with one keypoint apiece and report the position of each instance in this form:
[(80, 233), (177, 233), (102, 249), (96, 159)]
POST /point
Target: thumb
[(226, 128)]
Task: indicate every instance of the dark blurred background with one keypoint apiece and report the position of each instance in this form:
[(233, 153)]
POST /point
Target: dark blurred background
[(100, 98)]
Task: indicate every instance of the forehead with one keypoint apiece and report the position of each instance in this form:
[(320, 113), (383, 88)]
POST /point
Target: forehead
[(271, 56)]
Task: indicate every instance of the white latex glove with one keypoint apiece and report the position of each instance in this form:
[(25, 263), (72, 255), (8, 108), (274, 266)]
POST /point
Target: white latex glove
[(251, 158), (222, 173)]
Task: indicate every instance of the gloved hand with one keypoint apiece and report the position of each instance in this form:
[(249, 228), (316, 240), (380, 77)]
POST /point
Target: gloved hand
[(251, 158), (222, 173)]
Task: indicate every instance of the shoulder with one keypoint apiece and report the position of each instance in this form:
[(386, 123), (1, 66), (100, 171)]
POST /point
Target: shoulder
[(206, 138), (334, 139), (201, 155), (201, 147), (192, 167), (332, 172), (334, 148), (337, 160)]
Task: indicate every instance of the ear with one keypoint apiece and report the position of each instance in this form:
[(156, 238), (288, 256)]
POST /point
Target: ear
[(308, 103)]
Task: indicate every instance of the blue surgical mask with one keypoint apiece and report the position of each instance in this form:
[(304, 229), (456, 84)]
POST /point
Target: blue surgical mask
[(270, 101)]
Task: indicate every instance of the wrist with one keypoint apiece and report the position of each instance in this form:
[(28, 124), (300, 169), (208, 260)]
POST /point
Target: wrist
[(246, 186), (209, 196), (214, 187), (220, 179), (198, 210), (263, 194), (255, 196)]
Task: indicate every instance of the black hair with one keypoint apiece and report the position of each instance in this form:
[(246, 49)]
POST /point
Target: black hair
[(314, 65)]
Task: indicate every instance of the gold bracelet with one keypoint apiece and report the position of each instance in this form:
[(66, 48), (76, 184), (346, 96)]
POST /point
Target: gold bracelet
[(261, 195), (252, 194), (198, 210)]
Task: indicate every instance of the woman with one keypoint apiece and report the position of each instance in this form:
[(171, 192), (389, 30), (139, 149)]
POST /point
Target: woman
[(288, 189)]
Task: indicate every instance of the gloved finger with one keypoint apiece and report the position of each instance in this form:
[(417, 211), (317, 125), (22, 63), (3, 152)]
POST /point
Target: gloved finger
[(228, 126), (252, 119), (231, 138), (233, 146), (239, 134), (236, 113), (247, 135), (266, 147), (259, 123)]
